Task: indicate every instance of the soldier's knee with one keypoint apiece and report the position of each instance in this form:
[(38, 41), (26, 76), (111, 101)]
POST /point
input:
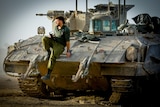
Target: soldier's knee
[(44, 39), (53, 58), (45, 43)]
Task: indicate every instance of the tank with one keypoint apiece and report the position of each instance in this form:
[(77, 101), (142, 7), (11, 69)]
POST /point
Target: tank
[(108, 56)]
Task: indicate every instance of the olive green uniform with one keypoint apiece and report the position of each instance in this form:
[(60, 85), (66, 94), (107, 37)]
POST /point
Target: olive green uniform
[(57, 43)]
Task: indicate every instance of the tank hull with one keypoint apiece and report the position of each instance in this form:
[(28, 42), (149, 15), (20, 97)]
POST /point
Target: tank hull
[(62, 78)]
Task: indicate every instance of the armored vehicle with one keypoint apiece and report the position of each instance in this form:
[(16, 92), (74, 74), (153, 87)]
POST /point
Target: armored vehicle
[(109, 56)]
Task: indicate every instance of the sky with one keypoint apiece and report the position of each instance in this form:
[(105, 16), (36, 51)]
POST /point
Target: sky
[(18, 20)]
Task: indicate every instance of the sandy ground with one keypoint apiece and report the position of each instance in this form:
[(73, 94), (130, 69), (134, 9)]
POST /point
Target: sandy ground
[(11, 96)]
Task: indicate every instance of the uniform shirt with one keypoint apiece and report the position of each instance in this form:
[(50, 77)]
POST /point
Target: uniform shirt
[(62, 35)]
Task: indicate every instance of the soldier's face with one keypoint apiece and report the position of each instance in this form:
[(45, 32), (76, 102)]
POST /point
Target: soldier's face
[(58, 22)]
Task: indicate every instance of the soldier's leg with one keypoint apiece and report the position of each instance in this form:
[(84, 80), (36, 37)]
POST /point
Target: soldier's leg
[(47, 43), (57, 51)]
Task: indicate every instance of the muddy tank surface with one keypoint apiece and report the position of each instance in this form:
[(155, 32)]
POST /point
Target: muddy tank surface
[(115, 61)]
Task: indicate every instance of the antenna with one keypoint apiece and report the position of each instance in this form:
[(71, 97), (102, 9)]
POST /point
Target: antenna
[(119, 10), (109, 5), (76, 8)]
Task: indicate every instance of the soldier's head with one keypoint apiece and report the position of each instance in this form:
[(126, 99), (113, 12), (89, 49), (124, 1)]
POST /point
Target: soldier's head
[(59, 21)]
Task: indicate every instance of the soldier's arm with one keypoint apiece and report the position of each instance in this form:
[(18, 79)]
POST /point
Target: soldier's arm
[(68, 49), (67, 37)]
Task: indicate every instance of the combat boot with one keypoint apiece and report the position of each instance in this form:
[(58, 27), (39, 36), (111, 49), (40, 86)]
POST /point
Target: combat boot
[(47, 76)]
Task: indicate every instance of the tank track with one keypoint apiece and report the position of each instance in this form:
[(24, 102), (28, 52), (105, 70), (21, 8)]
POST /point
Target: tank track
[(34, 87)]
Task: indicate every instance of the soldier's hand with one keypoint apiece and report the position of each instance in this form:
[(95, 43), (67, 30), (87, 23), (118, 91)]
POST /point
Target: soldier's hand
[(51, 34), (68, 54)]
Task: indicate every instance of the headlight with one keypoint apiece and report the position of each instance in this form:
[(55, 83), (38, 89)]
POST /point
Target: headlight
[(41, 30), (131, 53), (129, 30), (10, 49)]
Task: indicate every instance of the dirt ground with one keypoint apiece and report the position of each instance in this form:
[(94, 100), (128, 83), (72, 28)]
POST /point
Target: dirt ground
[(12, 96)]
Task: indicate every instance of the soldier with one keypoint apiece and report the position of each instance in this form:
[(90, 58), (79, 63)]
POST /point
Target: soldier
[(58, 40)]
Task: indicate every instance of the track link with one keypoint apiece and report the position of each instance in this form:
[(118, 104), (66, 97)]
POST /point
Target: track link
[(33, 87)]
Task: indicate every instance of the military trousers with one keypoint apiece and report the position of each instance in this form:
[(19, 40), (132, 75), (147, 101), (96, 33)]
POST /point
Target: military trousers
[(54, 47)]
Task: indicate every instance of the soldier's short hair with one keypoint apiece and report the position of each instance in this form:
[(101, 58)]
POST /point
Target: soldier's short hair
[(61, 18)]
